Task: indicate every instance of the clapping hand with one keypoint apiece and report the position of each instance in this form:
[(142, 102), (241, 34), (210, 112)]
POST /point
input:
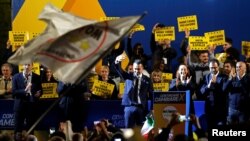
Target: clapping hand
[(232, 75), (212, 80), (28, 87), (189, 79)]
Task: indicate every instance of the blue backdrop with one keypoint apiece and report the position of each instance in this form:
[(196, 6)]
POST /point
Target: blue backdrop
[(232, 16)]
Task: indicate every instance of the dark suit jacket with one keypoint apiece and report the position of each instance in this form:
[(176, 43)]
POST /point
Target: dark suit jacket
[(238, 93), (18, 89), (146, 91), (216, 97), (190, 86)]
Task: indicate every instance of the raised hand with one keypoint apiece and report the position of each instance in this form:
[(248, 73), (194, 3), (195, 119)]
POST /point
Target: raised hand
[(187, 33), (155, 27), (131, 34), (212, 48), (120, 58)]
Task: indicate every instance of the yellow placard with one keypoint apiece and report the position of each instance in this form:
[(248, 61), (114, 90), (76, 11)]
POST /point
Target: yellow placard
[(198, 43), (221, 57), (216, 37), (18, 38), (161, 87), (108, 18), (164, 33), (101, 88), (187, 22), (167, 76), (137, 27), (245, 47), (49, 90), (35, 69), (121, 88)]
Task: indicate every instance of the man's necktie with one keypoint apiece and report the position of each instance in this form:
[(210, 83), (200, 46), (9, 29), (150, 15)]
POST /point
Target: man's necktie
[(26, 79), (5, 83), (136, 90)]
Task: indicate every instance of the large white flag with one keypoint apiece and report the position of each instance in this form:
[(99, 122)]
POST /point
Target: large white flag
[(72, 52), (58, 23)]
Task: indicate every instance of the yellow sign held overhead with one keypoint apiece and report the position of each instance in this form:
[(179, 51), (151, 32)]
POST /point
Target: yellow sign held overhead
[(137, 27), (198, 43), (103, 89), (245, 48), (18, 37), (165, 33), (216, 37), (161, 87), (187, 22)]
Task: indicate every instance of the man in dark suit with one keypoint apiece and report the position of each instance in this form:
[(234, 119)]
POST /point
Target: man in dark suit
[(238, 90), (216, 98), (26, 89), (138, 90)]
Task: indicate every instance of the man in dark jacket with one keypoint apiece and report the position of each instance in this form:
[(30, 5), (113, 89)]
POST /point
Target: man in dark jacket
[(216, 98), (26, 90)]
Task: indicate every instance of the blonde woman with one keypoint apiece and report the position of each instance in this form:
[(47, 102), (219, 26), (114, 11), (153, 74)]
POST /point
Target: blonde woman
[(104, 76), (182, 82), (156, 76)]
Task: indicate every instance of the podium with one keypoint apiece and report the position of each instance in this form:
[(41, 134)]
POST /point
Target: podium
[(166, 103)]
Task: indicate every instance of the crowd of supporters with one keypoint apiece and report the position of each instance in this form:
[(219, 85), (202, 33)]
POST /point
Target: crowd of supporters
[(222, 85)]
